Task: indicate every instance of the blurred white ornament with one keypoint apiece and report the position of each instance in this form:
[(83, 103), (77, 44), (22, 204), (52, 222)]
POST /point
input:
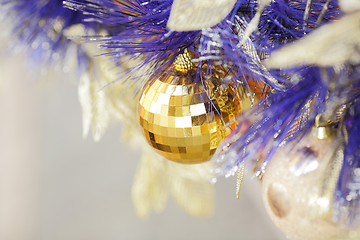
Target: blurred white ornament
[(299, 184), (349, 5)]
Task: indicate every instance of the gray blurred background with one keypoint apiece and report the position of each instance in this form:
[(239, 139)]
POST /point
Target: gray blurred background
[(54, 185)]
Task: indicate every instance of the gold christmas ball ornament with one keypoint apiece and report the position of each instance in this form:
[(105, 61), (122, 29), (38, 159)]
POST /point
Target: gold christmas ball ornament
[(184, 120)]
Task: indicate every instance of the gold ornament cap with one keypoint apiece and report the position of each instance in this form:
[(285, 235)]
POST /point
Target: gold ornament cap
[(322, 129), (183, 62)]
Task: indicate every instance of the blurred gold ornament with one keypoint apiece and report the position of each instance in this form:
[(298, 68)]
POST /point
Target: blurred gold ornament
[(184, 120)]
